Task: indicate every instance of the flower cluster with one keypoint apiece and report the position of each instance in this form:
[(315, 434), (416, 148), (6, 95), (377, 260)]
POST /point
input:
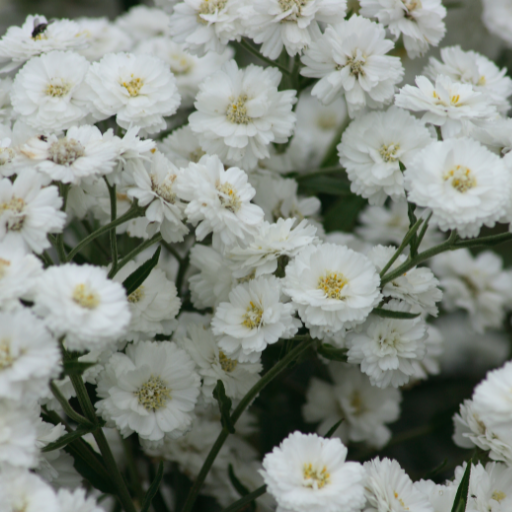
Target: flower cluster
[(199, 196)]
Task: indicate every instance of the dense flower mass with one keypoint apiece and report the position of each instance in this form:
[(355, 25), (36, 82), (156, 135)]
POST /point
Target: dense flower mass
[(228, 224)]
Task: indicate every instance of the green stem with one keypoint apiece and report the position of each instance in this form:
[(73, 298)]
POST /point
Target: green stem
[(184, 263), (132, 470), (46, 259), (113, 216), (448, 245), (403, 245), (70, 412), (101, 441), (173, 251), (244, 403), (238, 505), (247, 46), (142, 247), (424, 228), (134, 211), (304, 176)]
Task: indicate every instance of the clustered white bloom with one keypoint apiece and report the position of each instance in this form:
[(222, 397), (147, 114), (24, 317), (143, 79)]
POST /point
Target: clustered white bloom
[(163, 255)]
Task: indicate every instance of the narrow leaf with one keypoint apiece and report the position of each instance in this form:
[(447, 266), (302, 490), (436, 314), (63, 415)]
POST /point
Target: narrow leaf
[(137, 277), (69, 438), (240, 487), (333, 429), (485, 241), (332, 353), (219, 393), (388, 313), (461, 496), (88, 466), (75, 367), (151, 492)]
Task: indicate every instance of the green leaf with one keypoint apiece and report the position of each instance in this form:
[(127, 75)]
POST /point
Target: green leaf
[(88, 471), (69, 438), (240, 487), (325, 185), (461, 496), (343, 214), (333, 429), (153, 489), (485, 241), (75, 367), (388, 313), (248, 498), (137, 277), (332, 353), (219, 393)]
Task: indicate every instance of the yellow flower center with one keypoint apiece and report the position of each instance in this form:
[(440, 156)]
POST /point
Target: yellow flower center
[(6, 358), (326, 121), (227, 364), (137, 295), (460, 178), (252, 316), (65, 151), (3, 267), (210, 7), (196, 155), (357, 403), (181, 64), (229, 199), (314, 478), (58, 88), (332, 283), (16, 206), (237, 111), (153, 394), (164, 189), (6, 155), (85, 297), (388, 152), (133, 86), (401, 501), (356, 65), (499, 496)]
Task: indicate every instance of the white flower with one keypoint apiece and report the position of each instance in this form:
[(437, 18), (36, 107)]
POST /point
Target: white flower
[(454, 106), (253, 318), (29, 356), (102, 37), (477, 284), (76, 501), (215, 279), (151, 390), (48, 92), (36, 36), (6, 112), (18, 275), (471, 431), (292, 23), (363, 408), (389, 488), (351, 58), (417, 287), (441, 497), (492, 400), (240, 112), (389, 350), (182, 147), (464, 184), (153, 305), (420, 21), (29, 211), (156, 186), (468, 352), (490, 487), (80, 303), (372, 149), (213, 364), (22, 490), (138, 89), (497, 18), (189, 70), (84, 151), (475, 69), (307, 473), (278, 198), (382, 225), (219, 200), (205, 25), (17, 434), (142, 23), (281, 238), (332, 287)]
